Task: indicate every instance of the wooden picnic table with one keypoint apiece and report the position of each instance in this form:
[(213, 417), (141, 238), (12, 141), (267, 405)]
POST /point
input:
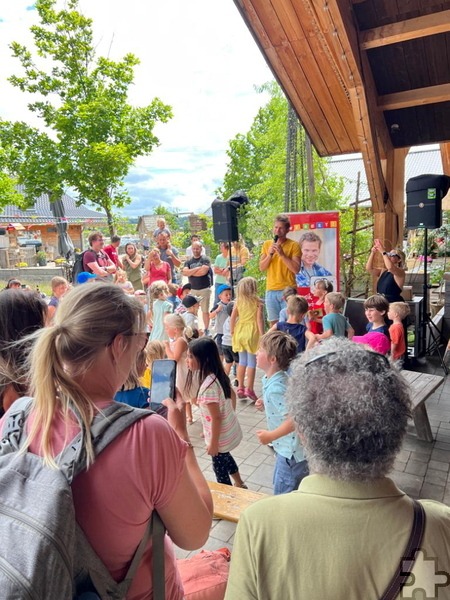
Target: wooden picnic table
[(422, 386)]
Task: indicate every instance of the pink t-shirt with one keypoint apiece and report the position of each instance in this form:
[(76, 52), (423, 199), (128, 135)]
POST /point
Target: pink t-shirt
[(114, 499), (161, 273)]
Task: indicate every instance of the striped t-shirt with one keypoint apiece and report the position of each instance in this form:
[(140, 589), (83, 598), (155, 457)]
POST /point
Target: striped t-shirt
[(230, 431)]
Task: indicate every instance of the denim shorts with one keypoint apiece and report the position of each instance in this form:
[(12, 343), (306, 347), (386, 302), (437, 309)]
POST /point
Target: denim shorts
[(274, 303), (288, 474)]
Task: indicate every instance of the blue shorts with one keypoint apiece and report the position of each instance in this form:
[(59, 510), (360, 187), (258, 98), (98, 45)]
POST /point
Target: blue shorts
[(288, 474), (274, 303)]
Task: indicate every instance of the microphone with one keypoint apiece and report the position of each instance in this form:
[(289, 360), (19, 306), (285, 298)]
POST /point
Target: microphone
[(275, 239)]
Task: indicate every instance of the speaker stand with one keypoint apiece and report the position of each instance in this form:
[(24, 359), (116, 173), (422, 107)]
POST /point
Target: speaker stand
[(231, 270), (426, 324)]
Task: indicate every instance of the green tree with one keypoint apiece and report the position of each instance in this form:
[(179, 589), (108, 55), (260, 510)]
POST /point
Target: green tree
[(94, 134), (257, 164)]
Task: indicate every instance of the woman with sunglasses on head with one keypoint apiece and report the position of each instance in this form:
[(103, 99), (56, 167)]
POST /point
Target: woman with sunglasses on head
[(391, 278)]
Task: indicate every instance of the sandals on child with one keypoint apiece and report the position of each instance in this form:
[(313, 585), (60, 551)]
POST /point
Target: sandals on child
[(251, 395)]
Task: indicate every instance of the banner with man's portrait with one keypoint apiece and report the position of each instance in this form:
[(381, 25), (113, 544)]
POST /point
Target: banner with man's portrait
[(318, 236)]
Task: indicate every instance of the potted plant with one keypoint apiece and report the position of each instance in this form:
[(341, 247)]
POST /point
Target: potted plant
[(41, 258)]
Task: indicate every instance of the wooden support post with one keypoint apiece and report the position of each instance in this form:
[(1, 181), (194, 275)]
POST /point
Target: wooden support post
[(394, 173)]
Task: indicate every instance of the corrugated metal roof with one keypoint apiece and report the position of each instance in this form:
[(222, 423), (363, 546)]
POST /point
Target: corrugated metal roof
[(41, 212), (418, 162)]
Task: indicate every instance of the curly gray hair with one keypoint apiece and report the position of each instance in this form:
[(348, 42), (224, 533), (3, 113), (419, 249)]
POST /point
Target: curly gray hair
[(352, 410)]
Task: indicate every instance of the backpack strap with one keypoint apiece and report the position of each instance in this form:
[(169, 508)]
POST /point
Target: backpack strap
[(105, 427), (13, 438), (408, 558)]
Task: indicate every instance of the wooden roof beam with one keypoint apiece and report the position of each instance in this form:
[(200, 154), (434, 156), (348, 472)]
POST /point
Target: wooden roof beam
[(371, 130), (368, 143), (445, 156), (409, 29), (417, 97)]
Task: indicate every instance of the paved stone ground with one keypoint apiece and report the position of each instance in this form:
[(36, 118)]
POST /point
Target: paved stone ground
[(421, 468)]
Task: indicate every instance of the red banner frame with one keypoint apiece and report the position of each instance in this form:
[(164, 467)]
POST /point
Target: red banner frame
[(321, 252)]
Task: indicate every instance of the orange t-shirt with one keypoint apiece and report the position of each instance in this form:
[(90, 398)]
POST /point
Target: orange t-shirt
[(397, 335)]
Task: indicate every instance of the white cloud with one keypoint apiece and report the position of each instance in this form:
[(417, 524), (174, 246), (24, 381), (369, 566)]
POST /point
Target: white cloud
[(197, 55)]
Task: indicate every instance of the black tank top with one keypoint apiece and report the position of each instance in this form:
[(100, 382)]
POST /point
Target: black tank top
[(387, 286)]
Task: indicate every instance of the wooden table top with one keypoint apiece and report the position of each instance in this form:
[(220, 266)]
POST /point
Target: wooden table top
[(422, 385), (230, 501)]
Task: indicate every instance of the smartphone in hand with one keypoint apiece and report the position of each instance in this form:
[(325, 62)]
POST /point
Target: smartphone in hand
[(164, 374)]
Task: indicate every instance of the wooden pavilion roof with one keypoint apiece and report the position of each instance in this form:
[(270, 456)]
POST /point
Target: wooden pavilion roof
[(370, 76)]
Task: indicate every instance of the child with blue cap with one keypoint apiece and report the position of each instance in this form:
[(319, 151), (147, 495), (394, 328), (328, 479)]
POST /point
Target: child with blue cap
[(219, 313)]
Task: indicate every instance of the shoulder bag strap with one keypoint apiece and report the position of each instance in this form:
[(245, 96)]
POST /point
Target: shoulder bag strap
[(13, 438), (158, 572), (106, 426), (408, 558)]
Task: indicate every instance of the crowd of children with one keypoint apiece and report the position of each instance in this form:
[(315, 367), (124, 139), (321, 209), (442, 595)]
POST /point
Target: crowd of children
[(207, 368)]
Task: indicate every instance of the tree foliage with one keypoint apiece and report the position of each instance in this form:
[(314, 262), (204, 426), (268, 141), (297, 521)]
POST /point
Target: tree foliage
[(257, 164), (92, 134)]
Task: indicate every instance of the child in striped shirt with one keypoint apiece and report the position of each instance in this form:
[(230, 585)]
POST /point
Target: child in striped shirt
[(217, 403)]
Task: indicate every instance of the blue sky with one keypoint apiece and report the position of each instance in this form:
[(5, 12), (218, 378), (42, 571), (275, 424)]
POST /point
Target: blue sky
[(196, 55)]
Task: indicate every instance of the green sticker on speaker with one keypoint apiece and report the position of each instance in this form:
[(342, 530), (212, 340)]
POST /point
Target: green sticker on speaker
[(431, 194)]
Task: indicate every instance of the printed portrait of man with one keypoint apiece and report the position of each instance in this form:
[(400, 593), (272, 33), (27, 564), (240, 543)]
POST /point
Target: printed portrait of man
[(311, 244)]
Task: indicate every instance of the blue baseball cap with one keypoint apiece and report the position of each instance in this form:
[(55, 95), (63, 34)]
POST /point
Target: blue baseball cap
[(222, 288), (85, 276)]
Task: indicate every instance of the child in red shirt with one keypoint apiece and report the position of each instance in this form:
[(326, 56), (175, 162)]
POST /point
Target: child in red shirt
[(316, 312), (397, 312)]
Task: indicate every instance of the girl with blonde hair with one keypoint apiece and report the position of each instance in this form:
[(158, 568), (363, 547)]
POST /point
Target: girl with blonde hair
[(176, 349), (159, 307), (154, 350), (247, 326), (76, 367)]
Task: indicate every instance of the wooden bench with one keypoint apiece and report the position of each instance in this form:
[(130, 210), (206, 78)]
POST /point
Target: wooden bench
[(422, 386), (230, 501)]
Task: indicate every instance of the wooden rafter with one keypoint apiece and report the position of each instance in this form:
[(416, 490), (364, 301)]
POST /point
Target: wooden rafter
[(445, 156), (417, 97), (409, 29), (371, 129)]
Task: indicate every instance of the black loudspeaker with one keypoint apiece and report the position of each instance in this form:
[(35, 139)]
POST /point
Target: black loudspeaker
[(424, 200), (225, 223)]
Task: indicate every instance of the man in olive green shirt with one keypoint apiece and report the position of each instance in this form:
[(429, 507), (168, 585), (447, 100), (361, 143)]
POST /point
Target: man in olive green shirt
[(343, 534)]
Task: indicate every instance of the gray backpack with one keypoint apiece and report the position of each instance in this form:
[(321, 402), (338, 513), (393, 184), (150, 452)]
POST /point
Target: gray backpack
[(44, 554)]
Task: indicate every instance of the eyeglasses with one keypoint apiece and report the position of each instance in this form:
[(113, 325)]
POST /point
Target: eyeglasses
[(392, 254), (326, 356), (141, 333)]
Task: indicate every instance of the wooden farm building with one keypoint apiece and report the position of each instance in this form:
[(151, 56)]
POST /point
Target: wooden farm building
[(20, 226)]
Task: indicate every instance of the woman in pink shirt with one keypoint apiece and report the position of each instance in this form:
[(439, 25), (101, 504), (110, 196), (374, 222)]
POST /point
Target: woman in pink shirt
[(80, 362), (157, 269)]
